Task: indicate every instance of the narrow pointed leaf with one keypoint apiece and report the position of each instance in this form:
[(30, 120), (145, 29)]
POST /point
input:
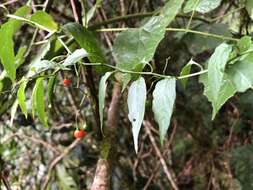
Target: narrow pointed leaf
[(51, 84), (21, 97), (76, 56), (7, 31), (44, 19), (14, 108), (38, 100), (19, 58), (88, 41), (164, 97), (101, 96), (136, 106)]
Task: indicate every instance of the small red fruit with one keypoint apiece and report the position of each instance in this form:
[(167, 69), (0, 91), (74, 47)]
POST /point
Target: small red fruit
[(79, 133), (66, 82)]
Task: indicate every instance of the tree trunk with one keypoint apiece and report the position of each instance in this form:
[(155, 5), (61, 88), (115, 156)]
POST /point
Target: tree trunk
[(108, 149)]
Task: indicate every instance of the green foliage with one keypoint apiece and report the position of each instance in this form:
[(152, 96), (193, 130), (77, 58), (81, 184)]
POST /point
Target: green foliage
[(45, 20), (249, 7), (76, 56), (164, 97), (244, 44), (21, 97), (242, 75), (51, 85), (38, 101), (7, 31), (136, 106), (202, 6), (86, 40), (186, 71), (134, 48), (28, 64), (101, 96), (65, 182), (218, 88)]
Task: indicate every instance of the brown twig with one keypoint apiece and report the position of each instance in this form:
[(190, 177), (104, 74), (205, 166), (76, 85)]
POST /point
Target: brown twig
[(166, 150), (73, 5), (170, 177), (57, 160)]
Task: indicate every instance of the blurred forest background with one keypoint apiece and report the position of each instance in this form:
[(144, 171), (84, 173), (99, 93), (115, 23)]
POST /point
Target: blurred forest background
[(199, 153)]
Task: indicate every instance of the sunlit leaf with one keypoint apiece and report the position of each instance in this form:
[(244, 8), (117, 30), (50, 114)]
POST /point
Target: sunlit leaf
[(75, 57), (38, 101), (44, 19), (21, 97), (7, 31), (101, 96), (164, 97), (136, 106)]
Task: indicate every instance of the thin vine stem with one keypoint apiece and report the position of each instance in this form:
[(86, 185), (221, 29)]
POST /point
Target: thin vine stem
[(177, 30), (141, 15), (146, 73)]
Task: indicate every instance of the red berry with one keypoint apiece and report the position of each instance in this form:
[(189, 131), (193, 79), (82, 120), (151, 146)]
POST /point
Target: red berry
[(66, 82), (79, 133)]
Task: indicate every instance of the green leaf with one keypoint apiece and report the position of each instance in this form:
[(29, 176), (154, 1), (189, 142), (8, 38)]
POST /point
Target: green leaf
[(14, 108), (38, 101), (21, 97), (134, 48), (19, 58), (249, 8), (164, 97), (204, 6), (76, 56), (136, 106), (7, 31), (65, 181), (186, 71), (45, 20), (7, 50), (241, 73), (218, 87), (22, 12), (190, 5), (37, 65), (51, 83), (87, 40), (226, 91), (101, 96), (244, 44), (91, 12)]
